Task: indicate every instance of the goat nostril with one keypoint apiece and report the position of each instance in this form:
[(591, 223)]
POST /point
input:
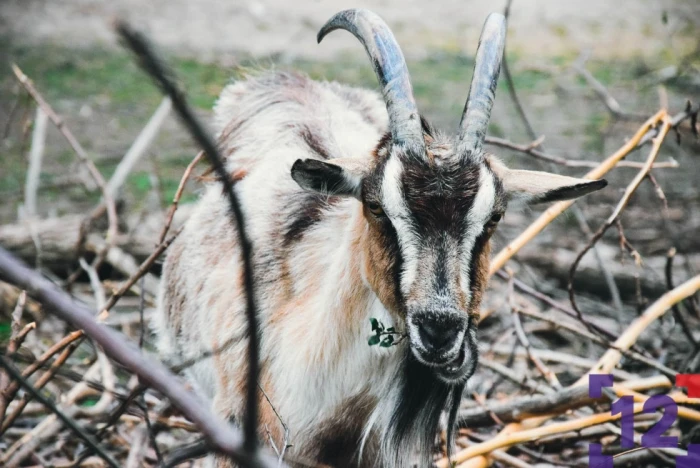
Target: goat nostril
[(436, 336)]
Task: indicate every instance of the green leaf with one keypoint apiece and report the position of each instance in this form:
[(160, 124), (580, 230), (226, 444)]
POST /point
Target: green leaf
[(386, 342), (375, 323), (391, 330), (373, 340)]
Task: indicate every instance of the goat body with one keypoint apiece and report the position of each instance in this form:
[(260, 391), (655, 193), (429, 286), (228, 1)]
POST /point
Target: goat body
[(309, 255), (357, 209)]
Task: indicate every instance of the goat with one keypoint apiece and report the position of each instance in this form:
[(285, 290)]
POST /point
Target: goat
[(357, 209)]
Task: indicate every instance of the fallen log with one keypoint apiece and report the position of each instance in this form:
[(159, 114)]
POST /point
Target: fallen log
[(556, 262)]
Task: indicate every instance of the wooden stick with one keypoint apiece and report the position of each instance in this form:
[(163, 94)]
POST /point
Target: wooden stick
[(36, 155), (77, 148), (139, 147), (604, 366), (558, 208)]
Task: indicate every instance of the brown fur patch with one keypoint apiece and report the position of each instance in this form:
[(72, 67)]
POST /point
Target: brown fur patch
[(481, 278), (175, 292)]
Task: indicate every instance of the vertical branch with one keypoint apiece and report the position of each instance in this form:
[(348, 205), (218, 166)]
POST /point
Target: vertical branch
[(139, 147), (164, 79), (36, 155)]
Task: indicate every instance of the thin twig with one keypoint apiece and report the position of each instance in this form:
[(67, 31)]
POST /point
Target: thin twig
[(531, 150), (610, 102), (629, 191), (178, 195), (36, 155), (17, 376), (224, 437), (163, 78), (80, 153)]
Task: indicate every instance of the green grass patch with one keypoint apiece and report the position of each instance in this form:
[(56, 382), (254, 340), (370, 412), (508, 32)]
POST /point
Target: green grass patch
[(593, 130), (5, 331), (113, 76)]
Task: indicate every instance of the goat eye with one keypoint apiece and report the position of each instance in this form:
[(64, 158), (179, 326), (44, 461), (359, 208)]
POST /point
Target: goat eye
[(495, 218), (375, 209)]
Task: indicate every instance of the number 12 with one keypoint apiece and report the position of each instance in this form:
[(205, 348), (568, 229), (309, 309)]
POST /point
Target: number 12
[(654, 437)]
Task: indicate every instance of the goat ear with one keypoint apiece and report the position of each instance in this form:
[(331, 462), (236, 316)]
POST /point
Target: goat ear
[(541, 187), (340, 177)]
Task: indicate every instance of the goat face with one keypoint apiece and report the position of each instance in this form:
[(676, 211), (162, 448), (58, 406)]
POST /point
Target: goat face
[(429, 220), (430, 202)]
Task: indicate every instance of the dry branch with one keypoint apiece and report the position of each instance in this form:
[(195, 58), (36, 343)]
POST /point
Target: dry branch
[(528, 430), (643, 136), (629, 191), (77, 148), (163, 78), (224, 437)]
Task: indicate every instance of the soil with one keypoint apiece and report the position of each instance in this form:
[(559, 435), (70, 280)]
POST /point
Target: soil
[(266, 27)]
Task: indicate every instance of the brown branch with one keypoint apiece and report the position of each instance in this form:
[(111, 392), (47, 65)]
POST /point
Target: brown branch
[(531, 150), (143, 269), (629, 191), (82, 157), (178, 194), (222, 436)]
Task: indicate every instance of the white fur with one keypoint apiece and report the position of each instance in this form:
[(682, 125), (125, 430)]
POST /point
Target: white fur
[(479, 213), (313, 361), (396, 209)]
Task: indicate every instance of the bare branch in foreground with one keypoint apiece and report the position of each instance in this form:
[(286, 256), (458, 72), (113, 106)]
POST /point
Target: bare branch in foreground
[(163, 77), (17, 376), (225, 438)]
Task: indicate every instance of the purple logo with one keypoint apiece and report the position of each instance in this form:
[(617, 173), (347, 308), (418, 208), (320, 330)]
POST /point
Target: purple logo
[(654, 437)]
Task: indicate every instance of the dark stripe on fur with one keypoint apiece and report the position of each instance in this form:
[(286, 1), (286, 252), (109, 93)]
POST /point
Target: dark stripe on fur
[(416, 418), (314, 142), (474, 277), (572, 191), (309, 211)]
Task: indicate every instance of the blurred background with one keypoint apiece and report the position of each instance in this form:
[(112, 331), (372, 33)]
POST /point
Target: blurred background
[(568, 62), (585, 75)]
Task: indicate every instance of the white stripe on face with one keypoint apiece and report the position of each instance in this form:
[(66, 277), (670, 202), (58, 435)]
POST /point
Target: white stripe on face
[(479, 213), (395, 207)]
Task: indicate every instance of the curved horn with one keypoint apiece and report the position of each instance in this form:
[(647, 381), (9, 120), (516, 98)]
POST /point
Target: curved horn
[(482, 92), (390, 67)]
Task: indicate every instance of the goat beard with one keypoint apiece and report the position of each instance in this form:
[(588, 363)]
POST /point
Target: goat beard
[(409, 419)]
